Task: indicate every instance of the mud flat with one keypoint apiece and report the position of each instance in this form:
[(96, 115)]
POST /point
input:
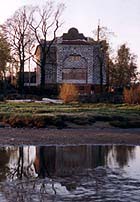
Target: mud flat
[(100, 133)]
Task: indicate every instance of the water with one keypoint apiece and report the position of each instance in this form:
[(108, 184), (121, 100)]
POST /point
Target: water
[(70, 173)]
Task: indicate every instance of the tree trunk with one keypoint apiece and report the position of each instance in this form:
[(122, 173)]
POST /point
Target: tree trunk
[(21, 78), (42, 85), (42, 66)]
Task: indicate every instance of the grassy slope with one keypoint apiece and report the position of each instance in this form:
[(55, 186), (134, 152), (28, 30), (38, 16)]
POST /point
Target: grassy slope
[(41, 114)]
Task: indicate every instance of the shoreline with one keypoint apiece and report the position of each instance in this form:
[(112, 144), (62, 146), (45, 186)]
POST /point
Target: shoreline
[(95, 135)]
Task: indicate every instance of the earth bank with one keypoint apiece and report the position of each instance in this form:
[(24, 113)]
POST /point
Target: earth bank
[(95, 135)]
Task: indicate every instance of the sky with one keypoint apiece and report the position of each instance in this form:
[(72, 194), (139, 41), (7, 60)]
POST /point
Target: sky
[(122, 17)]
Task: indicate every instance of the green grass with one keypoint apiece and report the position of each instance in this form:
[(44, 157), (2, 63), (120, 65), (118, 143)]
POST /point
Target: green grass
[(88, 109), (59, 113)]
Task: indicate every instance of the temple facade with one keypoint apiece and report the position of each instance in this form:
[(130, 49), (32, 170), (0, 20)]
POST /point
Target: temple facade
[(74, 58)]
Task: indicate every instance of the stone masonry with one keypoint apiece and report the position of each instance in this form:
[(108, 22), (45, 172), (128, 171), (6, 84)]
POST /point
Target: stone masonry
[(77, 60)]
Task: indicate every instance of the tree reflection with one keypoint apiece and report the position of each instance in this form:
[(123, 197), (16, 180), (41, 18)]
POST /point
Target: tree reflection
[(45, 161), (124, 154), (20, 171), (21, 163), (4, 159)]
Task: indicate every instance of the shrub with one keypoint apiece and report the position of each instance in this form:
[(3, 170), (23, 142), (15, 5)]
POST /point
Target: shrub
[(16, 121), (126, 123), (132, 95), (68, 93), (1, 97)]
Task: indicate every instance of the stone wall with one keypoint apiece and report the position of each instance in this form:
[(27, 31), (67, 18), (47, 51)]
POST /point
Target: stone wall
[(88, 63), (74, 59), (86, 54)]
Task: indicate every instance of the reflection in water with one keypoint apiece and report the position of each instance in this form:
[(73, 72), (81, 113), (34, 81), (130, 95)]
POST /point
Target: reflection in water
[(122, 154), (71, 173), (64, 161), (21, 162)]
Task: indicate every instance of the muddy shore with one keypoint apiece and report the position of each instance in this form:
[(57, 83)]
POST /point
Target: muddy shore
[(99, 134)]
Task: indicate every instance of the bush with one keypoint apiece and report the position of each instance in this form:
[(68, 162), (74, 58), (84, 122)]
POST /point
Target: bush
[(68, 93), (1, 97), (132, 95), (126, 123)]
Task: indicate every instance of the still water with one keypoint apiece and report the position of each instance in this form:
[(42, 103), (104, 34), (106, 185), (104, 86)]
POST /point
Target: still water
[(70, 173)]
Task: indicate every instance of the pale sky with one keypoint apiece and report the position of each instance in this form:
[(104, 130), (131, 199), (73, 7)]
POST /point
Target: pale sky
[(121, 16)]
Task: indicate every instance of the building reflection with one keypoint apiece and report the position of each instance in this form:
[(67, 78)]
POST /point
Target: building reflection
[(67, 160)]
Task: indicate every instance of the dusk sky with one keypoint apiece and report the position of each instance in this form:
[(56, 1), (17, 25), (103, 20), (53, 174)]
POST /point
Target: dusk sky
[(121, 16)]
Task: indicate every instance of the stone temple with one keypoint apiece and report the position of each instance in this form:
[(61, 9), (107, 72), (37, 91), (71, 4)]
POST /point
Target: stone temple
[(74, 58)]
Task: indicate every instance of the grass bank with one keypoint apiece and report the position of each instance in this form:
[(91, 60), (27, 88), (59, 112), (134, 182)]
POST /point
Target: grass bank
[(67, 115)]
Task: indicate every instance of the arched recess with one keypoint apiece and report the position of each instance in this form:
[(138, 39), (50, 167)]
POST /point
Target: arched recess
[(74, 69)]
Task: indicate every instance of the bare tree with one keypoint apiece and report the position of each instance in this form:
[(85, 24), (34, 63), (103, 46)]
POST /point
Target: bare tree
[(46, 23), (20, 37)]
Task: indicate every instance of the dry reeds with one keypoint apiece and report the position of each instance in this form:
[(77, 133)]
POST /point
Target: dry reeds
[(132, 95), (68, 93)]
